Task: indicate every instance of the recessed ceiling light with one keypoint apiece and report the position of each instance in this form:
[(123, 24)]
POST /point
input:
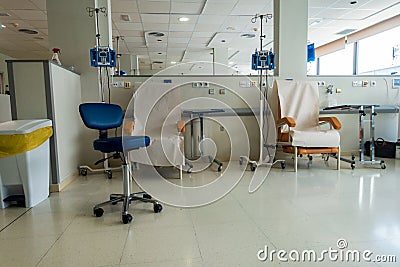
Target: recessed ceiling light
[(248, 35), (28, 31), (2, 26), (231, 62), (173, 62), (183, 19)]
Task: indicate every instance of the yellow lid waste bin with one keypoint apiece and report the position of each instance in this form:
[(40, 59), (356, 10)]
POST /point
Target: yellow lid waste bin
[(24, 162)]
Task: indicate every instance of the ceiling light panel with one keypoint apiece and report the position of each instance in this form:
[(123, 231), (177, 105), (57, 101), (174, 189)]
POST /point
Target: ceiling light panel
[(346, 4), (155, 26), (247, 9), (132, 39), (41, 4), (128, 26), (320, 3), (117, 17), (124, 6), (211, 19), (334, 13), (172, 40), (129, 33), (30, 14), (219, 37), (218, 8), (155, 18), (187, 8), (379, 4), (199, 34), (20, 4), (181, 27), (154, 6), (175, 34)]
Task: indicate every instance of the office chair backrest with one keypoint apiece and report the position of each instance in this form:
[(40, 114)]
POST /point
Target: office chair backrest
[(101, 116), (299, 100)]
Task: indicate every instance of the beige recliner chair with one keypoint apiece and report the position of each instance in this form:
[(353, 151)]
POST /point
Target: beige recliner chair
[(299, 125)]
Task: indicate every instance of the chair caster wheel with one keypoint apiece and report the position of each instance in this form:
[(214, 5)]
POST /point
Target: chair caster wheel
[(109, 174), (353, 166), (157, 207), (83, 172), (353, 157), (253, 167), (126, 218), (383, 166), (98, 212), (147, 196), (283, 165), (220, 168), (189, 170)]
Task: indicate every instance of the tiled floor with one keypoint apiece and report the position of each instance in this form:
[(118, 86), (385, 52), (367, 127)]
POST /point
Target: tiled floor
[(308, 210)]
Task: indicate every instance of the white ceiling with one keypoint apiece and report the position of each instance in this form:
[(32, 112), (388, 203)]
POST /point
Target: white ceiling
[(210, 22)]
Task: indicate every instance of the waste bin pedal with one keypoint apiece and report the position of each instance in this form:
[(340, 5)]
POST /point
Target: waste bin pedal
[(20, 199)]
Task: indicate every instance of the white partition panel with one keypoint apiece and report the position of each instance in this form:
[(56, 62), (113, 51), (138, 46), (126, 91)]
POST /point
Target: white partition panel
[(66, 99)]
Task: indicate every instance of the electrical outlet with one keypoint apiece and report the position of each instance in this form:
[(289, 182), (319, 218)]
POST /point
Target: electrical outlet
[(127, 85), (211, 91), (373, 83), (357, 83), (365, 83), (115, 84), (253, 83), (321, 83)]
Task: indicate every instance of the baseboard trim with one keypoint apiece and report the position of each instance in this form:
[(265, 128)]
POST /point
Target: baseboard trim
[(59, 187)]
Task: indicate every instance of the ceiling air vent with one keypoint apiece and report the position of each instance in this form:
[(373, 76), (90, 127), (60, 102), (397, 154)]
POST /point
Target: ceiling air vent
[(28, 31), (346, 31), (248, 35), (156, 34)]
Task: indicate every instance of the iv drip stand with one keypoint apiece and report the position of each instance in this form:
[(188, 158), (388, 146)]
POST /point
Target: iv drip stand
[(263, 96)]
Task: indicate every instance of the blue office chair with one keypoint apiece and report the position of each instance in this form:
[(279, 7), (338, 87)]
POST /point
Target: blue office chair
[(102, 117)]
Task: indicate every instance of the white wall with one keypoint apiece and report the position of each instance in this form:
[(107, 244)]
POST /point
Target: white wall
[(212, 130), (5, 108), (3, 67), (68, 125), (30, 90), (382, 94)]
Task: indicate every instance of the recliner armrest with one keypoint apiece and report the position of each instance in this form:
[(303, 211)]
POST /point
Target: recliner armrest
[(333, 121), (289, 121), (181, 126)]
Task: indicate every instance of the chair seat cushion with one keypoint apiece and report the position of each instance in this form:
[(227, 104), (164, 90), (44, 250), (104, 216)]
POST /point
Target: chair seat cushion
[(114, 144), (313, 138)]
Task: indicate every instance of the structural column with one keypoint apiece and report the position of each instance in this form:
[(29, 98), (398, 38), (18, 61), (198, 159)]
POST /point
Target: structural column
[(220, 60), (290, 38)]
